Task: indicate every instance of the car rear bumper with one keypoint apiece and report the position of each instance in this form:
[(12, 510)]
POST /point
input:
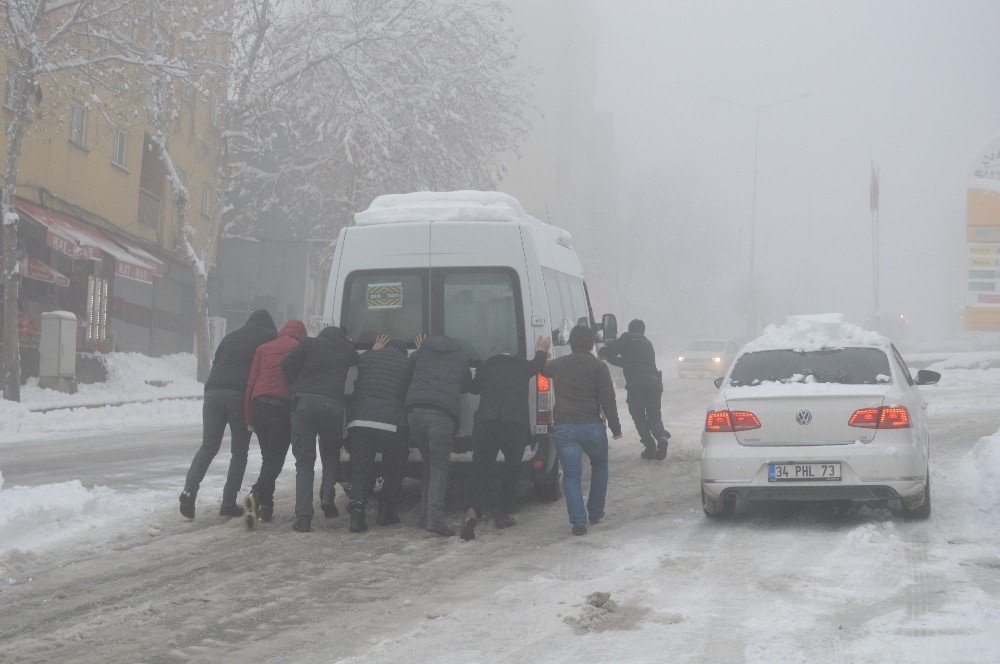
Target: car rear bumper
[(892, 468)]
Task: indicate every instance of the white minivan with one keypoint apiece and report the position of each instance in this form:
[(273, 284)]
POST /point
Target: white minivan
[(474, 266)]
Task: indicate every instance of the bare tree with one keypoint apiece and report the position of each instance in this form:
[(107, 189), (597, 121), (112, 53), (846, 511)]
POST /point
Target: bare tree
[(53, 46)]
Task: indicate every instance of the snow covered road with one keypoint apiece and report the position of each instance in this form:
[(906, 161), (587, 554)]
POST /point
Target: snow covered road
[(131, 581)]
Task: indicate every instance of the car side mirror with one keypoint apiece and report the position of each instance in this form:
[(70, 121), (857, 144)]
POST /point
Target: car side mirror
[(609, 324), (718, 381), (927, 377)]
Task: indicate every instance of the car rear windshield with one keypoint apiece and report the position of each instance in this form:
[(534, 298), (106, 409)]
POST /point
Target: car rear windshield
[(707, 345), (846, 366)]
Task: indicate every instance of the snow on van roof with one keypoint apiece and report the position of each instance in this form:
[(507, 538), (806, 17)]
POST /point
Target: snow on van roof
[(454, 206), (444, 206), (815, 332)]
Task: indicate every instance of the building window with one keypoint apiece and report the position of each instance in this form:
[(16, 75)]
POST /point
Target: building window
[(97, 310), (8, 92), (121, 138), (206, 200), (78, 124), (150, 209)]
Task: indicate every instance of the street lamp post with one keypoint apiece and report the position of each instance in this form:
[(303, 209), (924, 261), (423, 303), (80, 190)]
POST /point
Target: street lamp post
[(751, 304)]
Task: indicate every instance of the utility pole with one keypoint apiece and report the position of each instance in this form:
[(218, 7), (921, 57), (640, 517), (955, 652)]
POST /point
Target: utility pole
[(751, 323)]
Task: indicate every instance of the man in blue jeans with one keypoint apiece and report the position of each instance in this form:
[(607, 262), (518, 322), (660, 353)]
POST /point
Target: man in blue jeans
[(583, 390)]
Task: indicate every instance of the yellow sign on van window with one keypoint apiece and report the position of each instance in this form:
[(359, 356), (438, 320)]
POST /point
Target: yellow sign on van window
[(385, 296)]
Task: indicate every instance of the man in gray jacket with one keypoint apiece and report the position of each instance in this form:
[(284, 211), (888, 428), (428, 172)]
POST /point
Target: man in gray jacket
[(440, 375), (583, 390)]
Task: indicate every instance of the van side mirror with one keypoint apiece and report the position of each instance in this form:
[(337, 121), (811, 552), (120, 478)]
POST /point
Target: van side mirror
[(927, 377), (609, 325), (718, 382)]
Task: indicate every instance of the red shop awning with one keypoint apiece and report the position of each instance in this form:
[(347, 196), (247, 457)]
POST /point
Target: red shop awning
[(83, 242)]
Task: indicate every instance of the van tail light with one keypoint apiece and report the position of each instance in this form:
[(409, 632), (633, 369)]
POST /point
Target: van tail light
[(896, 417), (730, 421), (543, 401)]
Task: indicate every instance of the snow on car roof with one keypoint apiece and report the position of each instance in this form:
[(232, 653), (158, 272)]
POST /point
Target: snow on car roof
[(815, 332), (444, 206)]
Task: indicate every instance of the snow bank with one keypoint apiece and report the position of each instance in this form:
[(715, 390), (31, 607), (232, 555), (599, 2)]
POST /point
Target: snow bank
[(980, 473), (806, 333), (979, 360), (131, 377), (33, 518), (18, 422)]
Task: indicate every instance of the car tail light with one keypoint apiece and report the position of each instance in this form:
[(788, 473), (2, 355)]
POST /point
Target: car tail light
[(896, 417), (731, 420), (543, 401)]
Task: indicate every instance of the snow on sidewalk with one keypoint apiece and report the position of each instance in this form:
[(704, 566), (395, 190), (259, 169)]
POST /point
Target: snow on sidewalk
[(165, 390)]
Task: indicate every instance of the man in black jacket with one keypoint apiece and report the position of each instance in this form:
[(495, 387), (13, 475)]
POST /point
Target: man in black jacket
[(502, 424), (440, 375), (225, 390), (634, 353), (317, 371), (375, 417)]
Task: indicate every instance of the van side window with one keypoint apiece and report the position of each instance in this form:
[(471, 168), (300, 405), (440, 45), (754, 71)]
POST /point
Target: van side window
[(557, 312), (578, 295)]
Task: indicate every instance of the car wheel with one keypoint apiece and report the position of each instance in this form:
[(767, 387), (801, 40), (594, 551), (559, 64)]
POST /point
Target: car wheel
[(922, 511), (549, 489), (717, 508)]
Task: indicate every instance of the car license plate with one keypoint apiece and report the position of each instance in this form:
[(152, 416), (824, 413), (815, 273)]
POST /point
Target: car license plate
[(803, 472)]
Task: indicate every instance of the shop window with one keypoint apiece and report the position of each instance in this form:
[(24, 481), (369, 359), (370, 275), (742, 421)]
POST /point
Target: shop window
[(97, 310), (121, 138)]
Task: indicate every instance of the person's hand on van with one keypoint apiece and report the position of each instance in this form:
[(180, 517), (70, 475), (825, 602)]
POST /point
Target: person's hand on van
[(381, 342), (543, 344), (419, 339)]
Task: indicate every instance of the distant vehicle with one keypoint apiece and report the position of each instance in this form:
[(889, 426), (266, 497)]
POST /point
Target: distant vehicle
[(473, 266), (706, 358), (818, 410)]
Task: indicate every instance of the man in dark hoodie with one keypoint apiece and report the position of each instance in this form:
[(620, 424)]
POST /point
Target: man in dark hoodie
[(268, 408), (440, 375), (375, 417), (225, 392), (502, 424), (634, 353), (317, 371)]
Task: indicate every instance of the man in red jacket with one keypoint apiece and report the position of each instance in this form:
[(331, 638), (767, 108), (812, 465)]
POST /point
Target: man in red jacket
[(268, 408)]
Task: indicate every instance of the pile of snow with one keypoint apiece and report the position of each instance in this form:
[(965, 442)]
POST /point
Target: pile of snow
[(815, 332), (978, 360), (980, 473), (131, 377), (37, 517), (18, 422), (443, 206)]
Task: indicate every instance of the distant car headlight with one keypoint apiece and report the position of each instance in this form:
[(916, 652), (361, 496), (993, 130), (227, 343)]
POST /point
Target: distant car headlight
[(717, 360), (681, 358)]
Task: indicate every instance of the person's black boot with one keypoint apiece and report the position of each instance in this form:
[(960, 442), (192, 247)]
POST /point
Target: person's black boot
[(231, 511), (187, 504), (265, 513), (649, 451), (302, 525), (358, 523), (661, 450), (386, 515), (579, 529), (330, 510)]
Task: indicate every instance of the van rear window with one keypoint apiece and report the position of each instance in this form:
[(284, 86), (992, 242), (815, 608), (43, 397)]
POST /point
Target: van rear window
[(384, 303), (480, 312)]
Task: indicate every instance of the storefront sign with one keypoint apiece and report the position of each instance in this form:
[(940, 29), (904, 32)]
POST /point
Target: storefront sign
[(71, 248), (32, 268), (135, 272)]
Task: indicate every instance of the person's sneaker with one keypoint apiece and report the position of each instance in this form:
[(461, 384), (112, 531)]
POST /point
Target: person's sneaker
[(441, 529), (649, 451), (579, 529), (302, 525), (187, 504), (661, 450), (358, 523), (231, 511), (265, 513), (386, 515), (330, 510), (250, 510), (505, 521), (469, 525), (595, 518)]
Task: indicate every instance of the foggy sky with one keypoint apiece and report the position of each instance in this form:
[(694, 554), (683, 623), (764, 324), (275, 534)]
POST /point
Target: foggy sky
[(913, 85)]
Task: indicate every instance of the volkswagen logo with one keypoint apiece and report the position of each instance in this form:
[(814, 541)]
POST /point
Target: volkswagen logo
[(803, 417)]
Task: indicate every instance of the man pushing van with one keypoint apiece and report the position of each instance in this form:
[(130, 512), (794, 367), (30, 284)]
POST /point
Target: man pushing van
[(634, 353)]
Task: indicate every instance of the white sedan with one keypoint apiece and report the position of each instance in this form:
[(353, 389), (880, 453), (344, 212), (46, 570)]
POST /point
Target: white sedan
[(836, 419)]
